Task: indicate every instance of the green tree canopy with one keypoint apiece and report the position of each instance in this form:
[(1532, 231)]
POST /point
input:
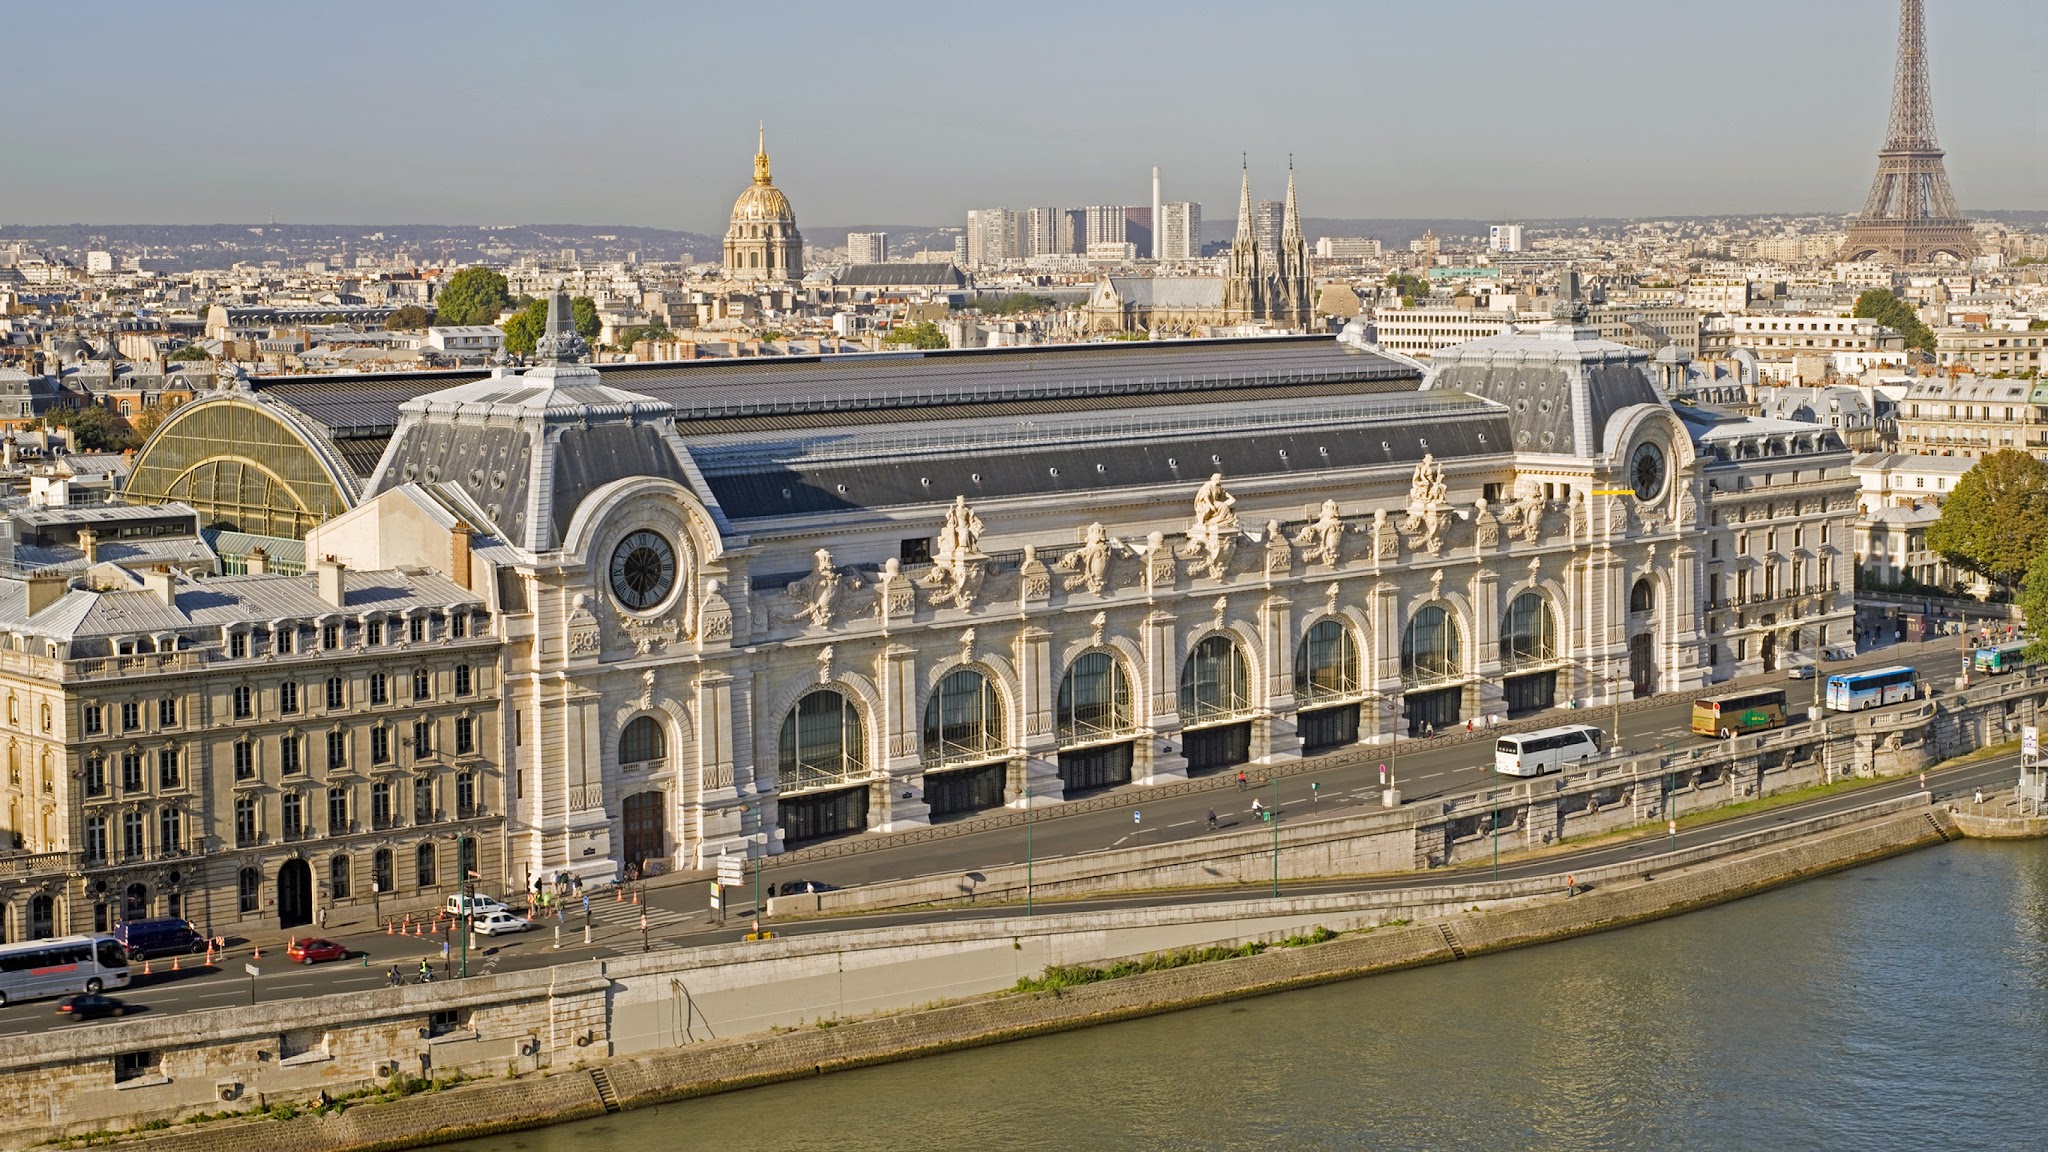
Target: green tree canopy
[(188, 353), (2033, 600), (1880, 305), (583, 313), (1014, 303), (639, 332), (472, 296), (1996, 521), (410, 318), (524, 330), (923, 334), (93, 428), (1409, 286)]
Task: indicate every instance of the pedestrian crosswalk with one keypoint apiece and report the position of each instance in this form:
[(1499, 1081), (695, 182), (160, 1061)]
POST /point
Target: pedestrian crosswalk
[(608, 912)]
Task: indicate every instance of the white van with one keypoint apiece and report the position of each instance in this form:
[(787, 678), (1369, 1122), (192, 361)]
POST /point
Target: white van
[(1548, 750)]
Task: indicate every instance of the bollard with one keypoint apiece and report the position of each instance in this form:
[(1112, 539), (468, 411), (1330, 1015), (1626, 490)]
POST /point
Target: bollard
[(558, 937), (586, 933)]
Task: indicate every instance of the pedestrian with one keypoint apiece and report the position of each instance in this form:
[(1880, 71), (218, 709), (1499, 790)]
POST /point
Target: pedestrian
[(576, 885), (323, 917), (1980, 795), (394, 977)]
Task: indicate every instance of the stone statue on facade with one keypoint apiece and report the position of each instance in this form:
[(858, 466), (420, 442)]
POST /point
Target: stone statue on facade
[(1324, 537), (816, 597), (1386, 543), (1428, 509), (958, 564), (1279, 553), (1212, 538)]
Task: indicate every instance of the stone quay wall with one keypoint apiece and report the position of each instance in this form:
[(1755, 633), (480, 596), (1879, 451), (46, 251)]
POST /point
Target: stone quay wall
[(720, 1064)]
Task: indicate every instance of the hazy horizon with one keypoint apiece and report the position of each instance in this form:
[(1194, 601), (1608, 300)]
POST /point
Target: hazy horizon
[(528, 113)]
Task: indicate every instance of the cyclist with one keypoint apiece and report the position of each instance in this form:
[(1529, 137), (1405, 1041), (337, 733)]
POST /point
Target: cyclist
[(1212, 819), (426, 971)]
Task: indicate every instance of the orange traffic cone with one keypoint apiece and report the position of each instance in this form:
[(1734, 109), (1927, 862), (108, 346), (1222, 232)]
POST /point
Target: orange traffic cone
[(209, 954), (388, 926), (257, 954), (174, 964), (618, 895), (145, 967)]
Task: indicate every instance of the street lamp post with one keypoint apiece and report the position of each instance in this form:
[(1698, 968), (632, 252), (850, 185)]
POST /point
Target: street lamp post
[(1390, 795), (1495, 791), (759, 843)]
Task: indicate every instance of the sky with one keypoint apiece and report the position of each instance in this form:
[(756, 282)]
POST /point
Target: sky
[(643, 112)]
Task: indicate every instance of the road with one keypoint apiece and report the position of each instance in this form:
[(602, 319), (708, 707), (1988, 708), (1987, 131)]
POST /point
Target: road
[(677, 916)]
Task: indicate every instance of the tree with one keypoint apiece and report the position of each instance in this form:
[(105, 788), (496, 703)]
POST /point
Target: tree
[(410, 318), (1408, 286), (1880, 305), (2033, 600), (524, 330), (924, 334), (189, 353), (639, 332), (148, 421), (93, 428), (472, 296), (1996, 521)]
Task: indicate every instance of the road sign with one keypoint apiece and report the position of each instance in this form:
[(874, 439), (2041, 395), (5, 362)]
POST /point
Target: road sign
[(252, 970), (716, 894), (1137, 817), (2030, 741), (732, 870)]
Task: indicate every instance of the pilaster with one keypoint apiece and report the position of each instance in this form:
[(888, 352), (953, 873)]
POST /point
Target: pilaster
[(1153, 765), (902, 800)]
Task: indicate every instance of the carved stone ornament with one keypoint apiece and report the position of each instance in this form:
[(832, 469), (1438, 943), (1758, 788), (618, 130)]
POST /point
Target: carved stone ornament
[(825, 655), (967, 645), (1161, 567), (1485, 525), (647, 688), (1386, 543), (1279, 553), (1096, 625), (1426, 489), (1323, 538), (714, 616), (1034, 581), (584, 638), (1220, 608), (958, 564), (651, 636), (897, 599), (1436, 582), (815, 598), (1088, 565)]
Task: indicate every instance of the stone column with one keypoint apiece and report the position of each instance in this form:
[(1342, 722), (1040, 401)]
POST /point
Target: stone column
[(586, 828), (723, 739), (901, 770), (1276, 737), (1039, 767), (1160, 705), (1383, 675), (1483, 697)]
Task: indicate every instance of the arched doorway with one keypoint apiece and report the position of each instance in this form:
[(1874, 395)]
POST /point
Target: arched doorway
[(963, 734), (1432, 670), (1094, 724), (294, 894), (646, 832), (42, 916), (1215, 704), (1770, 651), (1326, 687)]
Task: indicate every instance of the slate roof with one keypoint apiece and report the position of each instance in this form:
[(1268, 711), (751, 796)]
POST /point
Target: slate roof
[(1561, 384), (219, 601), (900, 276)]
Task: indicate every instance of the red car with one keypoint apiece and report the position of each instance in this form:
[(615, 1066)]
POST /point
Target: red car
[(314, 949)]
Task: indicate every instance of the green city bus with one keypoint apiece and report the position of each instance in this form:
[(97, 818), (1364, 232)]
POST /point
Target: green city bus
[(2000, 657), (1738, 712)]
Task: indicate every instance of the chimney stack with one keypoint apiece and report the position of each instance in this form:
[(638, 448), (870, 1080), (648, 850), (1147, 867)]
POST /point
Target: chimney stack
[(458, 555), (45, 589), (259, 562), (1156, 224), (330, 573), (164, 583), (88, 542)]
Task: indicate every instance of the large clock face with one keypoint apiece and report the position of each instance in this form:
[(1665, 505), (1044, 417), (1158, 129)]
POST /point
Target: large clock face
[(1646, 472), (643, 570)]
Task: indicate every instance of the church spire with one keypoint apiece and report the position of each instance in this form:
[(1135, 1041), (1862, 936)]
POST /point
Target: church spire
[(761, 155), (1290, 221), (1244, 202)]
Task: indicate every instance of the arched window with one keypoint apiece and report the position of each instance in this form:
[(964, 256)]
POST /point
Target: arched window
[(1529, 633), (337, 876), (1095, 700), (642, 741), (1326, 665), (963, 720), (1214, 682), (1430, 647), (822, 743), (1642, 597)]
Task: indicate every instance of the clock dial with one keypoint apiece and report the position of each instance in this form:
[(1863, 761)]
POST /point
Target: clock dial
[(1646, 472), (643, 570)]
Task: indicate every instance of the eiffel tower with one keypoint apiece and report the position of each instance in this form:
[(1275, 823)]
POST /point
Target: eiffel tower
[(1911, 216)]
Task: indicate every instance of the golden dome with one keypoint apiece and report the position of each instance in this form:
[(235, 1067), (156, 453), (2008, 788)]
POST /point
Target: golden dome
[(762, 202)]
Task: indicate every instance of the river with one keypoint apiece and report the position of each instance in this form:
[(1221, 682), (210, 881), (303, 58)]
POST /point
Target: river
[(1902, 1005)]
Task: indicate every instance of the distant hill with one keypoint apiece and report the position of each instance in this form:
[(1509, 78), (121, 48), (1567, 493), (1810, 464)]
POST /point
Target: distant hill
[(216, 245)]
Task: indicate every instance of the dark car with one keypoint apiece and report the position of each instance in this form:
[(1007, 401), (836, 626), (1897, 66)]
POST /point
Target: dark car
[(92, 1007), (803, 888), (142, 939), (313, 949)]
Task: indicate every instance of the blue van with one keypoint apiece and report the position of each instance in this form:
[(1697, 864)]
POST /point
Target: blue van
[(142, 939)]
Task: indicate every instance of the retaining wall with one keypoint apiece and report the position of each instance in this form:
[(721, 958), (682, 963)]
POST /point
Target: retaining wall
[(719, 1065)]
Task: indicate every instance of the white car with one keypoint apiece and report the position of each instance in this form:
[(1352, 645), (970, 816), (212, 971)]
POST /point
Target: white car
[(1800, 671), (484, 905), (500, 921)]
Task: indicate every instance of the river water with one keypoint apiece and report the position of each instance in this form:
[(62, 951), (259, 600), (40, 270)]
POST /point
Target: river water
[(1899, 1006)]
